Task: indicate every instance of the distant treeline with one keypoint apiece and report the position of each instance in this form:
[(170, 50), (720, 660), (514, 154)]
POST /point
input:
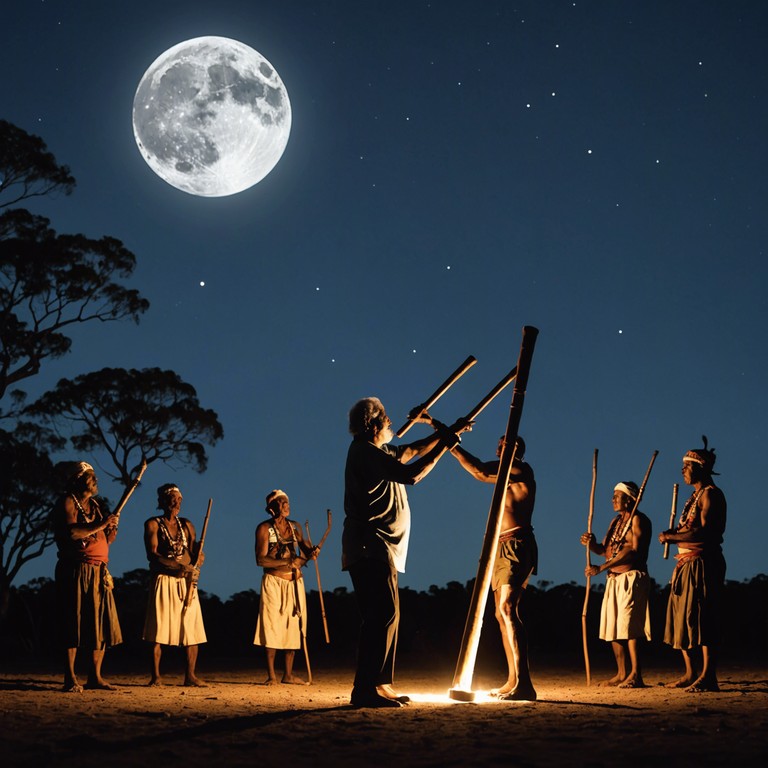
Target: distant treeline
[(431, 626)]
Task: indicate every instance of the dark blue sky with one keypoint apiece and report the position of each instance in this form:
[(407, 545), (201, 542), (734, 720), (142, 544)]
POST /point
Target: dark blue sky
[(455, 171)]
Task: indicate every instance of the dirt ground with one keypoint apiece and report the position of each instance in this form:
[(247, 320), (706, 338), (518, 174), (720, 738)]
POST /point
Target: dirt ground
[(238, 721)]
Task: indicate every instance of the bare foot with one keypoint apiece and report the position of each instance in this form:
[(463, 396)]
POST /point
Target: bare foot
[(682, 682), (270, 681), (195, 682), (504, 690), (388, 692), (155, 682), (703, 685), (616, 680), (72, 686), (292, 680), (520, 693), (633, 681), (99, 685)]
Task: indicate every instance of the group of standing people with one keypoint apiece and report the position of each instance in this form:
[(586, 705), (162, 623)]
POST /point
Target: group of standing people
[(692, 625), (87, 614), (88, 617), (374, 550)]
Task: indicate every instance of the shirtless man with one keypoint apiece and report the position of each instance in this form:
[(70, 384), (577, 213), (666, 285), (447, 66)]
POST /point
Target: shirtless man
[(516, 561), (282, 553), (693, 610), (174, 562), (624, 616)]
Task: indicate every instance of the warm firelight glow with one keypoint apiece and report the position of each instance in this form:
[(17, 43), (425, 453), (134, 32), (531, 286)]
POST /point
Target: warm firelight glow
[(481, 697)]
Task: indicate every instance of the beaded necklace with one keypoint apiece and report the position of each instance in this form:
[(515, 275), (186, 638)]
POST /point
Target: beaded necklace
[(284, 544), (617, 535), (176, 543), (88, 517), (690, 508)]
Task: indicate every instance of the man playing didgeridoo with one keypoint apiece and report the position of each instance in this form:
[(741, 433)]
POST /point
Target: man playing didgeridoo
[(86, 605), (282, 552), (693, 610), (174, 561), (516, 561), (375, 539), (624, 615)]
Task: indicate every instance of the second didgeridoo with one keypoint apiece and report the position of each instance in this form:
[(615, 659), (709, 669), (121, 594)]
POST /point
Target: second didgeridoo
[(436, 395)]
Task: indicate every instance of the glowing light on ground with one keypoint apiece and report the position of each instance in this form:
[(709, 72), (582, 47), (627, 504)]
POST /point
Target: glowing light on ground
[(481, 697)]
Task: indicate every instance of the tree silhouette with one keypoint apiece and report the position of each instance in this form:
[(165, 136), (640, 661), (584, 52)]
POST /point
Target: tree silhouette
[(26, 489), (48, 283), (27, 168), (147, 414)]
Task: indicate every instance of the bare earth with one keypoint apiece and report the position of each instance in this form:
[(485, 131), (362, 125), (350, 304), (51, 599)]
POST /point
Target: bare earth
[(237, 721)]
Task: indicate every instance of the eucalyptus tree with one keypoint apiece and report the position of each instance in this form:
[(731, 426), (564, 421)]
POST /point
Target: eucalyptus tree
[(26, 490), (49, 284), (132, 415)]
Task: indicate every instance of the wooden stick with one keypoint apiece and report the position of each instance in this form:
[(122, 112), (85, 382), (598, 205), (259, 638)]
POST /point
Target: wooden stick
[(302, 628), (130, 489), (465, 667), (672, 516), (480, 407), (317, 570), (589, 565), (628, 524), (436, 395), (191, 578)]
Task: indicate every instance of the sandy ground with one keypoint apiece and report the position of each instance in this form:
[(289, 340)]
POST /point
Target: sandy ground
[(237, 721)]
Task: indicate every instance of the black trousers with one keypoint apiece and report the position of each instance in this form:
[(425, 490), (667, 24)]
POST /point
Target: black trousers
[(375, 585)]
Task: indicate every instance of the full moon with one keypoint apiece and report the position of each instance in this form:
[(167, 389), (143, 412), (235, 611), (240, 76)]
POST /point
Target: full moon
[(211, 116)]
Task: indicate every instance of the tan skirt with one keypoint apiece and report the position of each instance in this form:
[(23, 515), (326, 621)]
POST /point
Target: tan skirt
[(278, 625), (167, 621), (624, 614)]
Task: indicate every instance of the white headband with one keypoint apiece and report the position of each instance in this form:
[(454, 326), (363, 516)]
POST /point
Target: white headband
[(624, 488)]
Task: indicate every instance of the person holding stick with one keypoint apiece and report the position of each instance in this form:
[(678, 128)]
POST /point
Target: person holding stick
[(175, 557), (375, 538), (624, 615), (516, 562), (84, 589), (693, 610), (282, 552)]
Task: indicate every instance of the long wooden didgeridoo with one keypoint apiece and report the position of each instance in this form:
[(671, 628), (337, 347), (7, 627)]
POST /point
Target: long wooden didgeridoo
[(191, 581), (590, 516), (436, 395), (486, 401), (465, 667), (672, 516)]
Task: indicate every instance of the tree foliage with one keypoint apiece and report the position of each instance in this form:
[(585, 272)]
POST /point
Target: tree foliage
[(27, 168), (26, 490), (49, 282), (148, 414)]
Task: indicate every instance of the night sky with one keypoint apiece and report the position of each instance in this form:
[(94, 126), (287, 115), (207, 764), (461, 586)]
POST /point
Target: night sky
[(454, 172)]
